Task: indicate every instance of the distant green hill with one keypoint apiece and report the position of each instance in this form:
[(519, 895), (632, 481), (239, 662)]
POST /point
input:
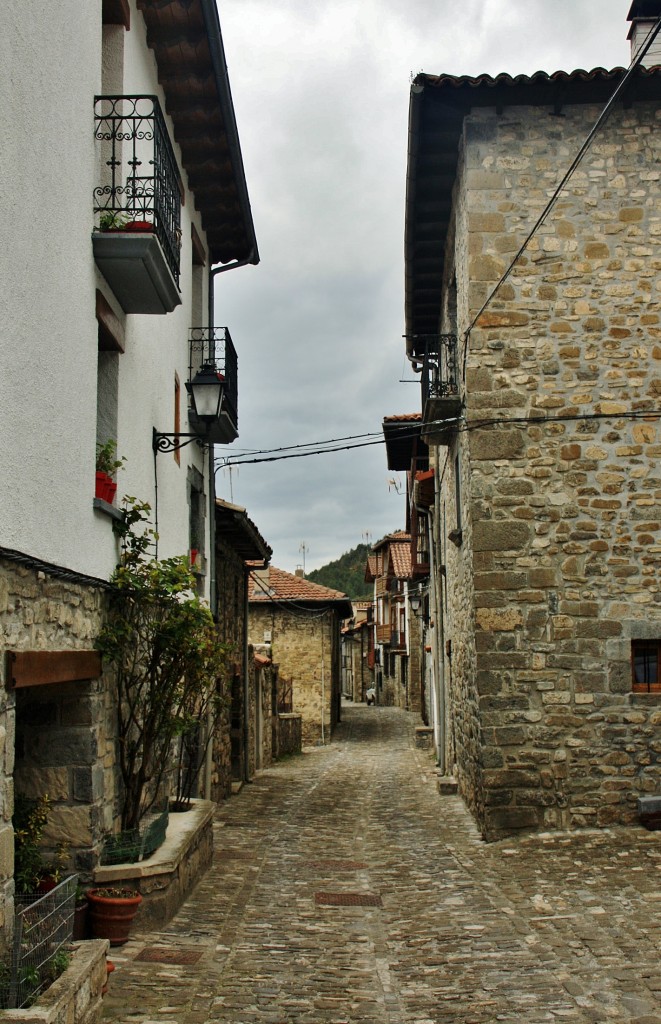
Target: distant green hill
[(347, 574)]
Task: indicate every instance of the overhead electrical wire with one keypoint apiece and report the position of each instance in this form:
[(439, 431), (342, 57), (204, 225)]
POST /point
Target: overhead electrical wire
[(293, 607), (321, 447), (603, 117), (458, 423)]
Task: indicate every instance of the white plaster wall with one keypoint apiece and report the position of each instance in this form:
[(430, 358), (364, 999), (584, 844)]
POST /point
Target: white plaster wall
[(50, 70)]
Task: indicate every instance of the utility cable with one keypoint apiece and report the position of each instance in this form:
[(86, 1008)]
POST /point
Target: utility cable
[(460, 425), (603, 117), (290, 606)]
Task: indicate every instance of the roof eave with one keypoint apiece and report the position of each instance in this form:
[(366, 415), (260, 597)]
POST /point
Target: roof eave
[(217, 50)]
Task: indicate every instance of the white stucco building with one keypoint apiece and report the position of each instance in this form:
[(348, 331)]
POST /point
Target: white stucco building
[(115, 113)]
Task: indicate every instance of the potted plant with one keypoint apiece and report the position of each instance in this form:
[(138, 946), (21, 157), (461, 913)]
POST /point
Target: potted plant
[(115, 220), (112, 220), (139, 225), (111, 912), (107, 465)]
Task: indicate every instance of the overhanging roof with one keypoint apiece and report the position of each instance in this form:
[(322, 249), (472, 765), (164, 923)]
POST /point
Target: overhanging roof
[(235, 528), (402, 437), (187, 43), (438, 106)]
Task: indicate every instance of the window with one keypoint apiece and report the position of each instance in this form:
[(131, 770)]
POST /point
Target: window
[(646, 666), (197, 524)]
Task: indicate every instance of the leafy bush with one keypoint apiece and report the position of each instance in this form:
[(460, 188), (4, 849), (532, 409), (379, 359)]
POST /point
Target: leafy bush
[(167, 658)]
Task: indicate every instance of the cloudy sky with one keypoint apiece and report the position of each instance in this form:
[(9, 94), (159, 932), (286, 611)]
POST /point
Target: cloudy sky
[(321, 94)]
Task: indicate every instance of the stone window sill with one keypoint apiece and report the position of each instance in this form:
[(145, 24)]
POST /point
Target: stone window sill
[(108, 510)]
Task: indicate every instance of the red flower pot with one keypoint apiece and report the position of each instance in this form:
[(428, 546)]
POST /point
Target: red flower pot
[(111, 917), (139, 225), (106, 487), (110, 967)]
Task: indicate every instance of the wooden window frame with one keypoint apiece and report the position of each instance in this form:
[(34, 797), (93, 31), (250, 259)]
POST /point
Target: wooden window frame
[(645, 687)]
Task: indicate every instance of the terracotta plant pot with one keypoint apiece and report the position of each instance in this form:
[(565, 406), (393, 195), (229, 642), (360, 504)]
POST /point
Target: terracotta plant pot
[(110, 967), (80, 916), (111, 916)]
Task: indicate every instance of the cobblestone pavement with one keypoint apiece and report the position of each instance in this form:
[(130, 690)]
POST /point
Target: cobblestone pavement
[(441, 928)]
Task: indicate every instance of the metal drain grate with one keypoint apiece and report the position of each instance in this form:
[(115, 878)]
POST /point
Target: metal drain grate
[(337, 865), (348, 899), (164, 955), (234, 855)]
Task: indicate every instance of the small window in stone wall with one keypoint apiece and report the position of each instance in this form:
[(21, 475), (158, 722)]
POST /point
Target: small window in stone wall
[(646, 666)]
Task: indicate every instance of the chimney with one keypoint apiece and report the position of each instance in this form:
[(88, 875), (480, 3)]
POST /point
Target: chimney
[(300, 572), (643, 16)]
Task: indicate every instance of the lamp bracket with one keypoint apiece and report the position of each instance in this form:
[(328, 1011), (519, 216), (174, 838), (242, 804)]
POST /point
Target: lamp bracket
[(173, 442)]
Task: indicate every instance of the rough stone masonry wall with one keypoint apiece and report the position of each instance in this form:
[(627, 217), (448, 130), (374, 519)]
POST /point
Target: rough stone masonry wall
[(230, 583), (566, 531), (54, 739), (297, 641)]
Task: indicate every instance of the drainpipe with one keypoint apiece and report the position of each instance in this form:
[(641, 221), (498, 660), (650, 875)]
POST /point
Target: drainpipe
[(213, 605), (323, 683), (439, 631), (213, 595), (246, 681)]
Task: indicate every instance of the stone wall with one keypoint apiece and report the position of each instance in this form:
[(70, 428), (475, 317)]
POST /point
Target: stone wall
[(54, 739), (289, 735), (75, 997), (559, 565), (305, 647)]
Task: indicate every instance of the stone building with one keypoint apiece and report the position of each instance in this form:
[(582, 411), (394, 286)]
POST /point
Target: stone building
[(396, 631), (116, 324), (300, 623), (357, 644), (541, 395), (243, 738)]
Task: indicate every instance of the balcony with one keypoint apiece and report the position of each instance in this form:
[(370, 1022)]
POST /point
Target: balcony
[(213, 347), (441, 403), (398, 641), (383, 633), (137, 204)]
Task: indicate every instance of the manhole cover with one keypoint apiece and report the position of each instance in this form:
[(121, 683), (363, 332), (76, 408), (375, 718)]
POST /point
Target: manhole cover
[(163, 955), (338, 865), (348, 899)]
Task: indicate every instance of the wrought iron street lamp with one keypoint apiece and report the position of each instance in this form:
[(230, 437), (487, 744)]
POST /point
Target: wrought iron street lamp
[(206, 390)]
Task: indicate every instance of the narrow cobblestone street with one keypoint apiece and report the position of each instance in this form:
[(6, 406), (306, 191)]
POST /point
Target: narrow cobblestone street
[(439, 926)]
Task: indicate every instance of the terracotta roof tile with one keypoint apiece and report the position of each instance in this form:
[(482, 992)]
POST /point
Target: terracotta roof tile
[(405, 417), (397, 535), (276, 584), (400, 561)]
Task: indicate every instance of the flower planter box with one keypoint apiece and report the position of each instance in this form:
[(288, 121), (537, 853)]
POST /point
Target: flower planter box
[(165, 879), (75, 997)]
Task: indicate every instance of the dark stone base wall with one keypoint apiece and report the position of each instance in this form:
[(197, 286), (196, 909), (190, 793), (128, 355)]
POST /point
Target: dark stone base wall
[(54, 739)]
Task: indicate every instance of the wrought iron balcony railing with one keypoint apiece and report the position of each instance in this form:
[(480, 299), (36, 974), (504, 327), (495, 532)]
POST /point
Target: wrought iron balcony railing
[(214, 347), (439, 367), (140, 181)]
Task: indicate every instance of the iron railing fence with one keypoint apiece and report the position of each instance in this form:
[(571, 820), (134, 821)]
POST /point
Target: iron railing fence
[(139, 176), (213, 346), (43, 927), (439, 367)]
